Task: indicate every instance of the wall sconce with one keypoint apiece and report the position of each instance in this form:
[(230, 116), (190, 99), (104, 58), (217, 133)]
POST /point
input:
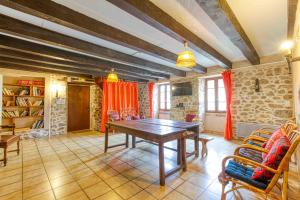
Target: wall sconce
[(56, 88), (286, 48), (257, 87)]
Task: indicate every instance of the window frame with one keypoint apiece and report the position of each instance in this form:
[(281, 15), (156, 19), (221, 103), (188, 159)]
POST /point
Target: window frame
[(216, 79), (159, 100)]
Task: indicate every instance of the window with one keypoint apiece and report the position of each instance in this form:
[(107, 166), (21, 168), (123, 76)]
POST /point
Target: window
[(215, 95), (164, 97)]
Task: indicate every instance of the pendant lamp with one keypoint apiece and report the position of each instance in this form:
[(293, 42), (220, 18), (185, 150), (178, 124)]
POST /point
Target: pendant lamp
[(112, 76), (186, 58)]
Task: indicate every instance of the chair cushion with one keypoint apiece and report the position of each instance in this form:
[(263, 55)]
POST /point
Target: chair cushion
[(275, 136), (251, 154), (136, 117), (273, 159), (190, 117), (243, 173)]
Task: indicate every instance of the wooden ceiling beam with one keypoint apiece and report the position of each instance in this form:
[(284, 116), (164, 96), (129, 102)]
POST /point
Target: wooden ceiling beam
[(93, 72), (292, 9), (220, 12), (21, 29), (50, 61), (65, 16), (156, 17), (66, 56)]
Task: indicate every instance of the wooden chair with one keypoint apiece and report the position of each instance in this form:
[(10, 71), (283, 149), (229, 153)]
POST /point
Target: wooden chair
[(264, 188), (252, 146), (262, 135), (7, 140)]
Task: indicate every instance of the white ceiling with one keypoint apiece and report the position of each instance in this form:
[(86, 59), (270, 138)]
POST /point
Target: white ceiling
[(263, 20)]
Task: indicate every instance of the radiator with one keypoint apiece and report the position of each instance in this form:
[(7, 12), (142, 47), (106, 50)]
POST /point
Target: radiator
[(243, 129)]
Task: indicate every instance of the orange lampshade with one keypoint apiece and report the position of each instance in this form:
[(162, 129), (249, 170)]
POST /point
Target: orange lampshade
[(112, 76), (186, 58)]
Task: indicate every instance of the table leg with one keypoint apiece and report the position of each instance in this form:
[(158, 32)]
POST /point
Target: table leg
[(179, 152), (183, 150), (196, 140), (18, 146), (106, 139), (5, 156), (127, 140), (133, 141), (161, 164)]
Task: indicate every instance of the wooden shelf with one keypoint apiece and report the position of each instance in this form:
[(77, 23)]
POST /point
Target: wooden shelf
[(23, 117), (18, 85), (15, 86), (22, 106)]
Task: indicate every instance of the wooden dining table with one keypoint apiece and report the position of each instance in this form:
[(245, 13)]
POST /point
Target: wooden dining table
[(158, 132)]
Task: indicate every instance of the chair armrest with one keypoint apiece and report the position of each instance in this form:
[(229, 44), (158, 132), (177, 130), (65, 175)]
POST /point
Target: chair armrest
[(256, 139), (249, 146), (261, 132), (246, 162), (7, 126)]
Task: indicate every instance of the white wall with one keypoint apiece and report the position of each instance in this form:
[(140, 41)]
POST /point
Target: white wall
[(214, 123)]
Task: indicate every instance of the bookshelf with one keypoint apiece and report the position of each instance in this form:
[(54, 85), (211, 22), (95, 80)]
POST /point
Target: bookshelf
[(23, 102)]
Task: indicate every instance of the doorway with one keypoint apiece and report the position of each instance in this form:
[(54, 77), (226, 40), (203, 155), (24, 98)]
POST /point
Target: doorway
[(78, 107)]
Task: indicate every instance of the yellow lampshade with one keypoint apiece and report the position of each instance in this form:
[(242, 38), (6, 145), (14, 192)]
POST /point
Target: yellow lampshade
[(112, 76), (186, 58)]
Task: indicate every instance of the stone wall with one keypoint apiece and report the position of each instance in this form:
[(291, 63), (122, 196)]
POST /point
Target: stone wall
[(143, 98), (190, 103), (95, 106), (59, 112), (272, 104)]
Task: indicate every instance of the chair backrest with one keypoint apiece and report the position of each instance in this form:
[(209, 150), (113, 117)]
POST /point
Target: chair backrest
[(289, 127), (113, 115), (294, 138)]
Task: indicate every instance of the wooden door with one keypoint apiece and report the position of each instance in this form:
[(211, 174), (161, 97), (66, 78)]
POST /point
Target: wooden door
[(78, 107)]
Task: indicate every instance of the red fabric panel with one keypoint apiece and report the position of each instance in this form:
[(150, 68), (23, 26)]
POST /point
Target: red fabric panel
[(150, 92), (273, 159), (228, 90), (118, 96)]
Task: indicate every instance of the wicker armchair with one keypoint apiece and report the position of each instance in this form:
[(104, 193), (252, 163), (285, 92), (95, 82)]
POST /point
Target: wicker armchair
[(252, 146), (248, 167)]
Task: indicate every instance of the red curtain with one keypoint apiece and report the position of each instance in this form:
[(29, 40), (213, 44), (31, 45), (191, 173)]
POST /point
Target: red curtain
[(228, 90), (118, 96), (150, 92)]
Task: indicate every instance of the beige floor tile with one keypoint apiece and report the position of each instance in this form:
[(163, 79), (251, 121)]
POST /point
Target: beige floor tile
[(34, 180), (144, 181), (88, 181), (66, 190), (209, 195), (158, 191), (11, 179), (107, 173), (12, 196), (14, 187), (128, 190), (111, 195), (190, 190), (97, 190), (174, 195), (116, 181), (44, 196), (82, 173), (36, 189), (143, 195), (60, 181), (80, 195), (200, 180)]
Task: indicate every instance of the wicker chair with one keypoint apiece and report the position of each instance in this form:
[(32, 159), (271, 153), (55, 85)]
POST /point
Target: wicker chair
[(252, 146), (249, 165)]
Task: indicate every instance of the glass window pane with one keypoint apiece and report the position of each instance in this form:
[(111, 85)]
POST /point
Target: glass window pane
[(162, 93), (210, 94), (211, 84), (211, 106), (221, 95), (168, 105), (222, 106), (162, 105), (220, 83)]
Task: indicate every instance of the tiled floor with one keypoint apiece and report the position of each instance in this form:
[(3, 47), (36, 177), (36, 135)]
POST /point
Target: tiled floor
[(74, 167)]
